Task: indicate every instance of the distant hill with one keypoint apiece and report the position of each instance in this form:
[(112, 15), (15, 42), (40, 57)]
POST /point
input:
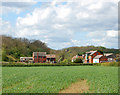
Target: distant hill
[(14, 48), (68, 53)]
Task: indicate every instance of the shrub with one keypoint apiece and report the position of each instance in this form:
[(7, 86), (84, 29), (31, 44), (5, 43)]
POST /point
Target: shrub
[(100, 51), (65, 61), (107, 64), (78, 60), (111, 64)]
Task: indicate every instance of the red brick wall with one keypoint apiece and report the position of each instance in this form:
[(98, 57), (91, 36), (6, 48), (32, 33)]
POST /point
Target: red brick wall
[(40, 59), (103, 58), (85, 60)]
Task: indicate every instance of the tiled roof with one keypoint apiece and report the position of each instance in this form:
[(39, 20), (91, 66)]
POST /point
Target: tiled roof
[(39, 53), (74, 57), (98, 56), (50, 56)]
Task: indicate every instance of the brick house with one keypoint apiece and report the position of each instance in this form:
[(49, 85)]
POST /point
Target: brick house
[(42, 57), (100, 59), (39, 57), (90, 55)]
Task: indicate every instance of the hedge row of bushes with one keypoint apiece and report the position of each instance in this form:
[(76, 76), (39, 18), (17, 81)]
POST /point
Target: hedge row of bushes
[(13, 64), (110, 64), (18, 64)]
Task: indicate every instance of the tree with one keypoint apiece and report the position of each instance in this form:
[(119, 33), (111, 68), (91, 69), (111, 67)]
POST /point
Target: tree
[(4, 56), (100, 51), (78, 60), (66, 61), (80, 54)]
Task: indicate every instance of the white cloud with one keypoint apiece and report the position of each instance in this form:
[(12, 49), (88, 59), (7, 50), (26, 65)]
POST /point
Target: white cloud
[(62, 12), (15, 6), (107, 38), (76, 42), (57, 23), (112, 33), (95, 6), (5, 28), (96, 34)]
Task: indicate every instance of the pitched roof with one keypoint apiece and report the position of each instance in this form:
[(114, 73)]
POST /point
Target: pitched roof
[(108, 54), (26, 57), (39, 53), (50, 56), (74, 57), (98, 57), (91, 52)]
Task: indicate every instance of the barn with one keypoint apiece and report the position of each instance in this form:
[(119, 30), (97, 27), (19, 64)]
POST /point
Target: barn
[(100, 59)]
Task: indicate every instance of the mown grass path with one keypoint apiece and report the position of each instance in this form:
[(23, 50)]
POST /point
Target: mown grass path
[(53, 79)]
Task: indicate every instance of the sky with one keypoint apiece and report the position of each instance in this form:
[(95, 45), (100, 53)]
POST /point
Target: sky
[(62, 24)]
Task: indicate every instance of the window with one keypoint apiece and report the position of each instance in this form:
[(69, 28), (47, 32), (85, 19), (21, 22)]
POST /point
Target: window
[(90, 57), (35, 56), (44, 57), (40, 57), (97, 53)]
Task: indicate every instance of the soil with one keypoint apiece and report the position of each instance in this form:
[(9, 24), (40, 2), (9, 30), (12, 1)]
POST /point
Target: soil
[(78, 87)]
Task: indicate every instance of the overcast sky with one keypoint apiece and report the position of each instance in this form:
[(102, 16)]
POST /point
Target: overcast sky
[(62, 24)]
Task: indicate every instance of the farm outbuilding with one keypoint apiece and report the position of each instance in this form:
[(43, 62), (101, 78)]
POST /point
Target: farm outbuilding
[(25, 59), (100, 59), (110, 56)]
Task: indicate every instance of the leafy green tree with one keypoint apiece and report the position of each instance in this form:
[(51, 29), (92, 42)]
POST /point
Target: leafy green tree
[(80, 54), (66, 61), (100, 51), (4, 56), (78, 60)]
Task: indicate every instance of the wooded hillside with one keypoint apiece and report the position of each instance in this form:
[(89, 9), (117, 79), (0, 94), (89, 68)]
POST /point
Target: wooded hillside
[(68, 53), (14, 48)]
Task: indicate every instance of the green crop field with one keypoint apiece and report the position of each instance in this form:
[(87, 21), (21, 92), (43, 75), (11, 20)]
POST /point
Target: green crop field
[(52, 79)]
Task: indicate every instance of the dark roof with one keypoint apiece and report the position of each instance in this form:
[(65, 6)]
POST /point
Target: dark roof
[(74, 57), (98, 57), (39, 53)]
